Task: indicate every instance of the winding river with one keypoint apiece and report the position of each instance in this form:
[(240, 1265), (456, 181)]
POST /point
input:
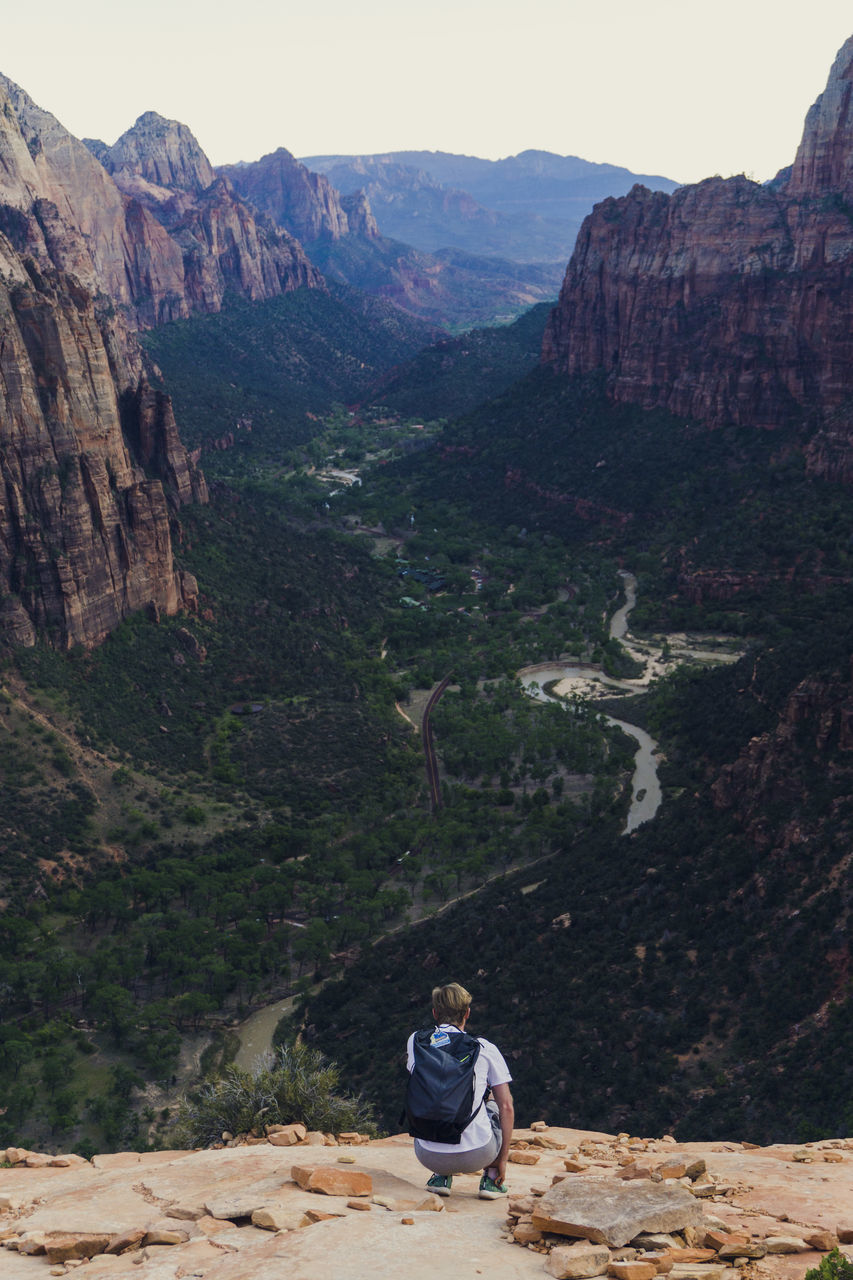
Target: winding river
[(645, 785)]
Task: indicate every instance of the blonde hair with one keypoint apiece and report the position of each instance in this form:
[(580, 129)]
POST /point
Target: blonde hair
[(450, 1003)]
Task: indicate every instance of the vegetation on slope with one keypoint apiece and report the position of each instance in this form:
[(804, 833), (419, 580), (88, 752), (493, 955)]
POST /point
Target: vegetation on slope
[(252, 809)]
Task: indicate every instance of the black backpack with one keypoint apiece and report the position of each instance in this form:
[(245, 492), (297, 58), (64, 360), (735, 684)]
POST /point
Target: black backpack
[(440, 1091)]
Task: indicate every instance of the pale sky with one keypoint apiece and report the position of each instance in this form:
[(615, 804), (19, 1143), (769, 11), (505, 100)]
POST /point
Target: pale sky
[(683, 88)]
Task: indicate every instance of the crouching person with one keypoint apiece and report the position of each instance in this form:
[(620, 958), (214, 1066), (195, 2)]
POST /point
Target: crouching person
[(456, 1130)]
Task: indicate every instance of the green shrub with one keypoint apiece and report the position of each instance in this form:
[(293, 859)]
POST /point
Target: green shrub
[(295, 1084), (833, 1266)]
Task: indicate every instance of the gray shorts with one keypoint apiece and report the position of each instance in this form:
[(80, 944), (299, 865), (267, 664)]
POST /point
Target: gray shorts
[(465, 1161)]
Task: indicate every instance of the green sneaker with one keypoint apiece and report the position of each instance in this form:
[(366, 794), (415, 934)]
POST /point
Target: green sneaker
[(491, 1190), (440, 1184)]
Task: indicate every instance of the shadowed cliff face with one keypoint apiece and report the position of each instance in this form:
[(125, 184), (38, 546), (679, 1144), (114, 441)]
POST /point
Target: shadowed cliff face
[(727, 301), (90, 457), (84, 529)]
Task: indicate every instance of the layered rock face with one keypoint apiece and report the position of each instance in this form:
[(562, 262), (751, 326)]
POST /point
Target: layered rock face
[(305, 203), (90, 456), (63, 209), (223, 244), (727, 301)]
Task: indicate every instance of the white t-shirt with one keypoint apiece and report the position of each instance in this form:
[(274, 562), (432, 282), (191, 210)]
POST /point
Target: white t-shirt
[(490, 1069)]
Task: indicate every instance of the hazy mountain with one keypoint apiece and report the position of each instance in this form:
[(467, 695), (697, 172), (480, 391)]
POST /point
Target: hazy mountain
[(527, 207), (340, 235)]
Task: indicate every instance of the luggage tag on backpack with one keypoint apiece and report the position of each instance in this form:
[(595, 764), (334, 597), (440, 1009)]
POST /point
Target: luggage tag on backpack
[(439, 1039)]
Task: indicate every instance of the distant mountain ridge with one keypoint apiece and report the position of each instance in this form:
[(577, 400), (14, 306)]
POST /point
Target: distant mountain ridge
[(341, 236), (527, 208)]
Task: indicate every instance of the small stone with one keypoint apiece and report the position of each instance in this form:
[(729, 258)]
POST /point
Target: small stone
[(656, 1240), (286, 1135), (361, 1205), (751, 1146), (278, 1217), (716, 1237), (802, 1155), (742, 1247), (821, 1240), (695, 1168), (526, 1233), (538, 1126), (520, 1204), (662, 1262), (578, 1261), (317, 1215), (833, 1157), (346, 1159), (575, 1165), (786, 1244), (126, 1241), (632, 1270), (315, 1139), (523, 1157), (549, 1144), (407, 1222), (675, 1167), (844, 1231), (163, 1235)]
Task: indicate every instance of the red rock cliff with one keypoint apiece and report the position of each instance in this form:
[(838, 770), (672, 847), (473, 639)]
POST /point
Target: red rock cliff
[(84, 516), (90, 459), (727, 301), (224, 245)]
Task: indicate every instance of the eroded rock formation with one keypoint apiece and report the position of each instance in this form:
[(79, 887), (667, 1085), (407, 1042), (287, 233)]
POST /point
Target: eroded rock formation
[(304, 202), (223, 244), (728, 301), (90, 458)]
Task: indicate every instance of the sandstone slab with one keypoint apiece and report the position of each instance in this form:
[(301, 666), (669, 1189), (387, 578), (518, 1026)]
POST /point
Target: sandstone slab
[(612, 1213), (331, 1180), (279, 1217), (63, 1247)]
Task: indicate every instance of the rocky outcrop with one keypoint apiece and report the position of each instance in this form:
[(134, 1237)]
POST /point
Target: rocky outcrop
[(305, 203), (252, 1214), (59, 206), (224, 244), (90, 458), (163, 153), (824, 163), (815, 724), (727, 301)]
